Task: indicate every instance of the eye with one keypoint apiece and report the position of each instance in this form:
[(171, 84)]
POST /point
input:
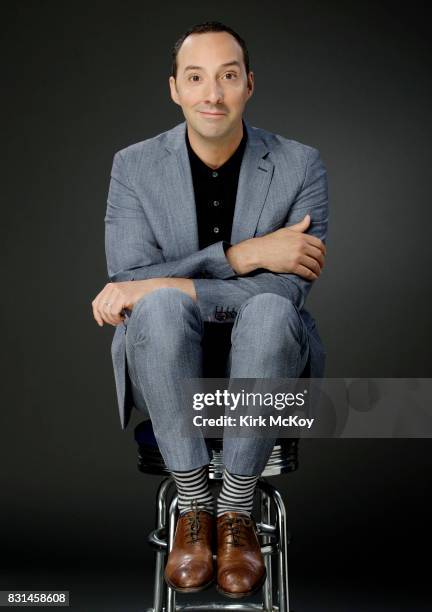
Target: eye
[(194, 78), (230, 76)]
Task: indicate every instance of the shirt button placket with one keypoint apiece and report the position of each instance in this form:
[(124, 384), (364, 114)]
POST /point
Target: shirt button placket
[(215, 203)]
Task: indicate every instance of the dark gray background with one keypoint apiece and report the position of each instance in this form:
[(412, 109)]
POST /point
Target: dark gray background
[(83, 80)]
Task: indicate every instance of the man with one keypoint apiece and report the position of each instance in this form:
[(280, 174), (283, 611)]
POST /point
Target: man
[(197, 239)]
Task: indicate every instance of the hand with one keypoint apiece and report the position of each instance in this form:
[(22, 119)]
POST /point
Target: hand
[(115, 297), (287, 250), (290, 250)]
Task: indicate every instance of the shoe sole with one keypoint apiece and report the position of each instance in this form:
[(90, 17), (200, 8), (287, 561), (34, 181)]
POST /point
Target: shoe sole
[(189, 589), (240, 595)]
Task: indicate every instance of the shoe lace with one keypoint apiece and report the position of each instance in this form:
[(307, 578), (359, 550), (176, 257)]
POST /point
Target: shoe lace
[(234, 530), (194, 523)]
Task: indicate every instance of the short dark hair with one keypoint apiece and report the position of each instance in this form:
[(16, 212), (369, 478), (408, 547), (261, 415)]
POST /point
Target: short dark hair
[(203, 28)]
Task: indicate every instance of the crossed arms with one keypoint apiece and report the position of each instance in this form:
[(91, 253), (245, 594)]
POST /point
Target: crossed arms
[(220, 276)]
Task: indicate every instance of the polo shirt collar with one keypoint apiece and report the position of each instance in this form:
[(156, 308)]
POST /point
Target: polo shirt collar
[(231, 164)]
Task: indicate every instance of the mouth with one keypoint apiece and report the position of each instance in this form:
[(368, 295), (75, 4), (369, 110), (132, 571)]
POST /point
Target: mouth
[(211, 114)]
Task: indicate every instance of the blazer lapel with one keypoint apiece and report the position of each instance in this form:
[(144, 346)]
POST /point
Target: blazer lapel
[(256, 172), (179, 189)]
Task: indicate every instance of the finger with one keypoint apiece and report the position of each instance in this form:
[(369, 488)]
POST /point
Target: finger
[(109, 305), (302, 225), (95, 308), (96, 316), (305, 272), (311, 263), (104, 303), (99, 302), (316, 253), (314, 241), (114, 310), (117, 308)]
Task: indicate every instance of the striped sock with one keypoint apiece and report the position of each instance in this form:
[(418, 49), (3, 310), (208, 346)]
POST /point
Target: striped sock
[(237, 493), (193, 485)]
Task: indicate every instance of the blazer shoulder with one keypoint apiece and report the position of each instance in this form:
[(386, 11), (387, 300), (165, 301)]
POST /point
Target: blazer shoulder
[(143, 154), (292, 158), (287, 148)]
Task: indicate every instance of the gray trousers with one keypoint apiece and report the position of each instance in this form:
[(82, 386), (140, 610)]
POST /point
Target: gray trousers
[(164, 345)]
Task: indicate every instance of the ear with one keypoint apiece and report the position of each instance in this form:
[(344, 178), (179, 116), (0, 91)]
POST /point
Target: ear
[(250, 83), (173, 90)]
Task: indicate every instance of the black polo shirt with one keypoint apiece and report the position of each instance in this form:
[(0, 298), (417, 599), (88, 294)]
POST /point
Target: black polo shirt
[(215, 197), (215, 194)]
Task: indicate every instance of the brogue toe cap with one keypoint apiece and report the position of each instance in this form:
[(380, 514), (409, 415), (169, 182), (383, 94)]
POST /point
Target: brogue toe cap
[(193, 574), (241, 579)]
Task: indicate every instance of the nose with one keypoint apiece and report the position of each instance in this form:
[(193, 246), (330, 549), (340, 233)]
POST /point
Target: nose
[(214, 92)]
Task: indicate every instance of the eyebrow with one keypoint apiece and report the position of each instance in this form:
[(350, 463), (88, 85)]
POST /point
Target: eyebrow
[(233, 63)]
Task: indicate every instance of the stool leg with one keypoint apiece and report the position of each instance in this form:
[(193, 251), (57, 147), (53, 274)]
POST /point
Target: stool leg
[(266, 518), (283, 552), (171, 599), (161, 521)]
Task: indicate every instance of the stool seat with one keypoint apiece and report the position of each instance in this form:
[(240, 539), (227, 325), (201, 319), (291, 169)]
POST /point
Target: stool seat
[(283, 459)]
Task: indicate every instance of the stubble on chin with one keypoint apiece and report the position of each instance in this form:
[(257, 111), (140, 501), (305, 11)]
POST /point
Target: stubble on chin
[(213, 132)]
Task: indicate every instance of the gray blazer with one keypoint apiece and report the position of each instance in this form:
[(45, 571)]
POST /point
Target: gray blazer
[(151, 228)]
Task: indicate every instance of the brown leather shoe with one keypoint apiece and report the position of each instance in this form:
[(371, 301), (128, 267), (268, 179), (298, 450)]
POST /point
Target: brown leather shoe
[(189, 568), (240, 564)]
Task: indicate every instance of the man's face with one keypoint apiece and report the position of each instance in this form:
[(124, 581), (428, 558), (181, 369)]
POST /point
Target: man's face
[(211, 86)]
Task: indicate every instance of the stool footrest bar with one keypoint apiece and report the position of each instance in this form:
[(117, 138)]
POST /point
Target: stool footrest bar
[(218, 606), (158, 538)]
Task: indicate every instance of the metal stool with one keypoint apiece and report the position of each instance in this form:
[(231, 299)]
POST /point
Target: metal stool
[(271, 531)]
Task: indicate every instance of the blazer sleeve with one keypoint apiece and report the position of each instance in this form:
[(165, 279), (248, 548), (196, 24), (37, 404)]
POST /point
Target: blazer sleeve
[(219, 300), (130, 246)]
